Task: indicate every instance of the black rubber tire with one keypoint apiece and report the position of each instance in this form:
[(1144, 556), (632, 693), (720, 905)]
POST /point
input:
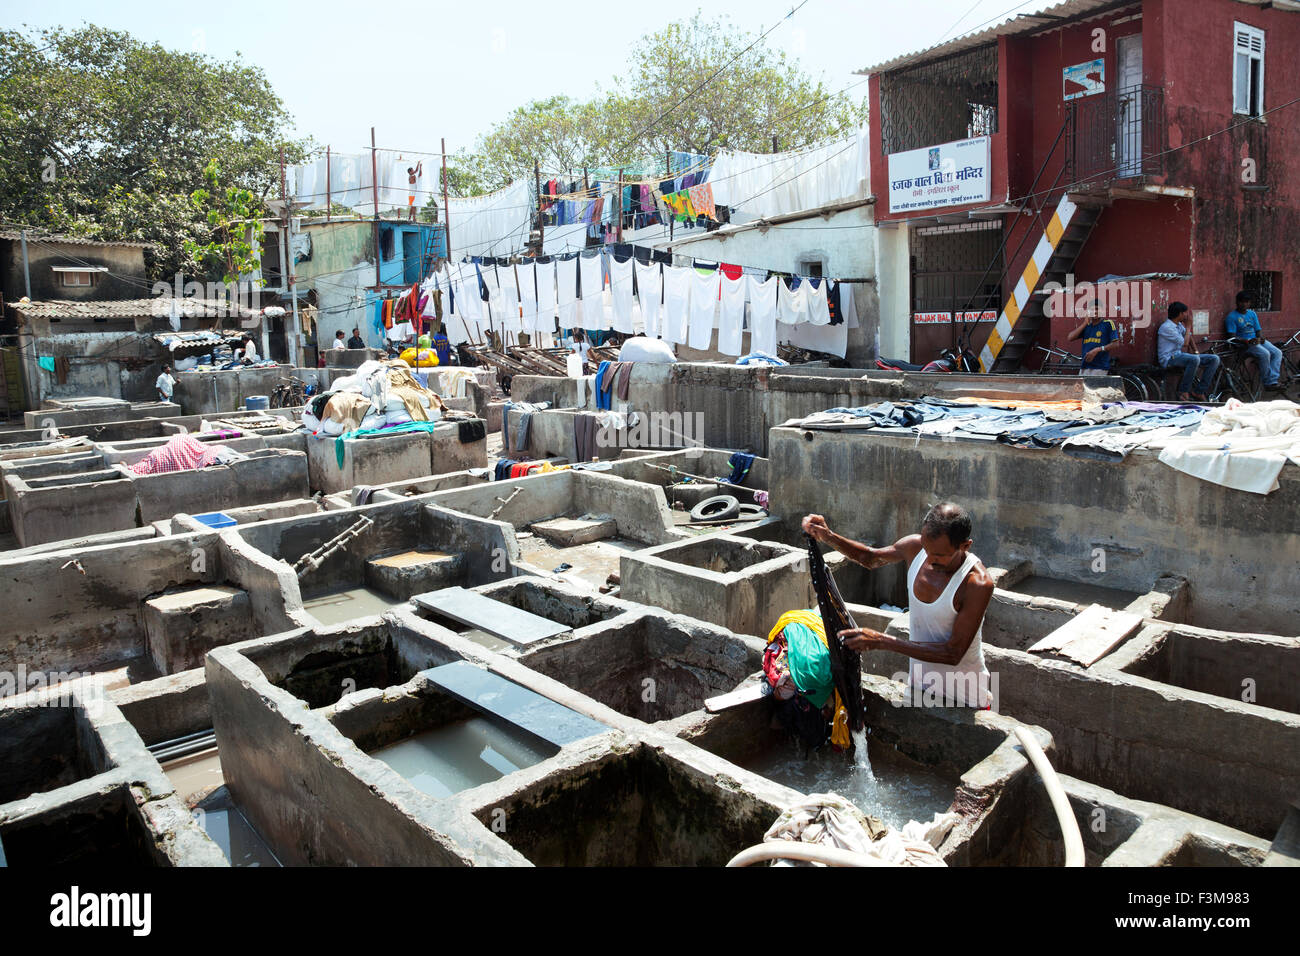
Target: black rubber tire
[(749, 512), (717, 508)]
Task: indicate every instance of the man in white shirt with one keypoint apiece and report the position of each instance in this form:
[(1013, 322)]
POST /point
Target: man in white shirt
[(339, 342), (250, 352), (164, 384)]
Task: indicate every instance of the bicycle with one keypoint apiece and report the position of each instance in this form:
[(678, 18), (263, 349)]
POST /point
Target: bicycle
[(1289, 376), (1235, 378), (1056, 361), (290, 393)]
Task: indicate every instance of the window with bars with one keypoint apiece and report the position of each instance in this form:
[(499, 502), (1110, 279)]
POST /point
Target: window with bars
[(937, 102), (1263, 288), (1247, 69)]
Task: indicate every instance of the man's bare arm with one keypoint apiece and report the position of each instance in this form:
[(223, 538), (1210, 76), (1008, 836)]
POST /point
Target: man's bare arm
[(904, 549)]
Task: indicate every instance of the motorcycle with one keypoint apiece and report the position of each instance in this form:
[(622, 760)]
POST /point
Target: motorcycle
[(949, 361)]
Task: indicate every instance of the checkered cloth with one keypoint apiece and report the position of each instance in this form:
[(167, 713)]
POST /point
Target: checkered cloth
[(181, 453)]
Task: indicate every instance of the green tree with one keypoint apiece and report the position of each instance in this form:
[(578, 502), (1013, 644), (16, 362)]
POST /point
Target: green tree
[(104, 136), (234, 220), (692, 86)]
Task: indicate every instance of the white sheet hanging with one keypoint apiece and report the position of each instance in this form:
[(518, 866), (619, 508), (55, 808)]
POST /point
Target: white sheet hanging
[(677, 304), (494, 224), (762, 314), (819, 312), (620, 287), (821, 338), (650, 288), (593, 293), (704, 305), (731, 315), (792, 304), (527, 273), (566, 287), (545, 319), (770, 184), (508, 318)]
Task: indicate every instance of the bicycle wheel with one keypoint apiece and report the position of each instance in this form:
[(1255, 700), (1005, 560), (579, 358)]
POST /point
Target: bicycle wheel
[(1134, 390), (1290, 379), (1153, 385)]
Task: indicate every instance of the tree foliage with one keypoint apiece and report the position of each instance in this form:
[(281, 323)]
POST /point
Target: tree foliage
[(692, 86), (232, 216), (104, 136)]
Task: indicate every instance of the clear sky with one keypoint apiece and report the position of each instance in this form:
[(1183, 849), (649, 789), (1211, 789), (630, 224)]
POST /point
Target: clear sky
[(418, 72)]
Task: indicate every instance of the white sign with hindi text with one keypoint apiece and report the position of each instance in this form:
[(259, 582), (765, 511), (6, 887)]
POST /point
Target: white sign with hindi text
[(951, 174)]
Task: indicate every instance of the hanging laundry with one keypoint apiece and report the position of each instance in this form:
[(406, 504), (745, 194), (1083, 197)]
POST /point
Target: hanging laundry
[(677, 304), (650, 290), (545, 318), (762, 313), (527, 277), (620, 287), (704, 303), (702, 201), (833, 302), (593, 298), (731, 316), (818, 313), (566, 285), (792, 301)]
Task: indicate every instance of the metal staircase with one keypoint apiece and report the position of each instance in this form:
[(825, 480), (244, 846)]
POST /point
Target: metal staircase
[(1053, 260)]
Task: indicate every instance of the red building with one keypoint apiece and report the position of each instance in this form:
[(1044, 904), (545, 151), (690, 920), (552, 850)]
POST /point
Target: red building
[(1162, 135)]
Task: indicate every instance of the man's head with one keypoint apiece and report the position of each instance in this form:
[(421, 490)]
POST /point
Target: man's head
[(1245, 301), (167, 369), (356, 332), (338, 334), (1177, 310), (945, 535)]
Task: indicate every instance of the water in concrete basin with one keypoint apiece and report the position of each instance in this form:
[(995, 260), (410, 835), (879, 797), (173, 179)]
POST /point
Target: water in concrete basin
[(894, 792), (458, 756), (196, 774), (226, 824), (339, 606), (1076, 592)]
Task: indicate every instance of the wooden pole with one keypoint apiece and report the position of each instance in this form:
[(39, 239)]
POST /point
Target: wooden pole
[(668, 166), (618, 229), (541, 219), (329, 202), (374, 189)]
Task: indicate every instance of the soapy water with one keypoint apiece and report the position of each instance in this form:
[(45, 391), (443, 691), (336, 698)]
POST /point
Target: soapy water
[(893, 790)]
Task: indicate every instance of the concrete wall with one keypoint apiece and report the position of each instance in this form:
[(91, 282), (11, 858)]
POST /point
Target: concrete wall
[(1238, 550), (207, 393), (381, 459)]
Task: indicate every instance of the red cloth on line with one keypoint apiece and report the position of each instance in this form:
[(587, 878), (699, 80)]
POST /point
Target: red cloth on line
[(730, 271)]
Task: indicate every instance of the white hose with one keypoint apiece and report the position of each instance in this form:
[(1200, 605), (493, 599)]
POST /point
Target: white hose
[(811, 852), (1060, 803)]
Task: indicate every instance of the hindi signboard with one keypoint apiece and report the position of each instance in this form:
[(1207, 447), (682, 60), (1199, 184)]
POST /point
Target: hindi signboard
[(951, 174)]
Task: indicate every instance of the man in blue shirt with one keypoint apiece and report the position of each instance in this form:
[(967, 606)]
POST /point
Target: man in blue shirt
[(1099, 337), (1243, 323), (1174, 349)]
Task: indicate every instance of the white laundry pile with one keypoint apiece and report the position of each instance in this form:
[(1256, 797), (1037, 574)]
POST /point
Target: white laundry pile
[(1240, 445), (375, 395), (829, 820)]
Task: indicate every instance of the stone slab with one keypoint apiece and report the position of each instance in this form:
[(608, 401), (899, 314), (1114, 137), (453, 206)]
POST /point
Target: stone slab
[(566, 532), (497, 618), (530, 711)]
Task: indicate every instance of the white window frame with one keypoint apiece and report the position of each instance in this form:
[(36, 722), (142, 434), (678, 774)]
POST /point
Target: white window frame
[(1247, 41)]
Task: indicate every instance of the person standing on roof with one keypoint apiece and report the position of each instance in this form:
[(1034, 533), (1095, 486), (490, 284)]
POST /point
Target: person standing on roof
[(948, 590)]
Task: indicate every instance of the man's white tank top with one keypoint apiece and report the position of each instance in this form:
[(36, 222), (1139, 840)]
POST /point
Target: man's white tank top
[(965, 683)]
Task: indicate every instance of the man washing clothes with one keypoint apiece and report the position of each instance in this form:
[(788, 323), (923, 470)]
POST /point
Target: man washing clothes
[(948, 591)]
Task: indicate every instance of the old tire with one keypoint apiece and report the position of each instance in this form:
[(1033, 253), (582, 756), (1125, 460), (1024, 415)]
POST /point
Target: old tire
[(750, 512), (717, 508)]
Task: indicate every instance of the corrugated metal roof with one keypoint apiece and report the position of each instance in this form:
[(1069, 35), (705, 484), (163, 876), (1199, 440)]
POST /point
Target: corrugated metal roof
[(158, 307), (1021, 23), (54, 238)]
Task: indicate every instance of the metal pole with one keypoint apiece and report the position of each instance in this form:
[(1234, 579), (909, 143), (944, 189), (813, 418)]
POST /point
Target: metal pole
[(374, 189), (446, 209), (329, 202), (291, 335)]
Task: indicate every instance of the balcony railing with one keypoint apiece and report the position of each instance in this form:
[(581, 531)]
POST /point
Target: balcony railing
[(1119, 134)]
